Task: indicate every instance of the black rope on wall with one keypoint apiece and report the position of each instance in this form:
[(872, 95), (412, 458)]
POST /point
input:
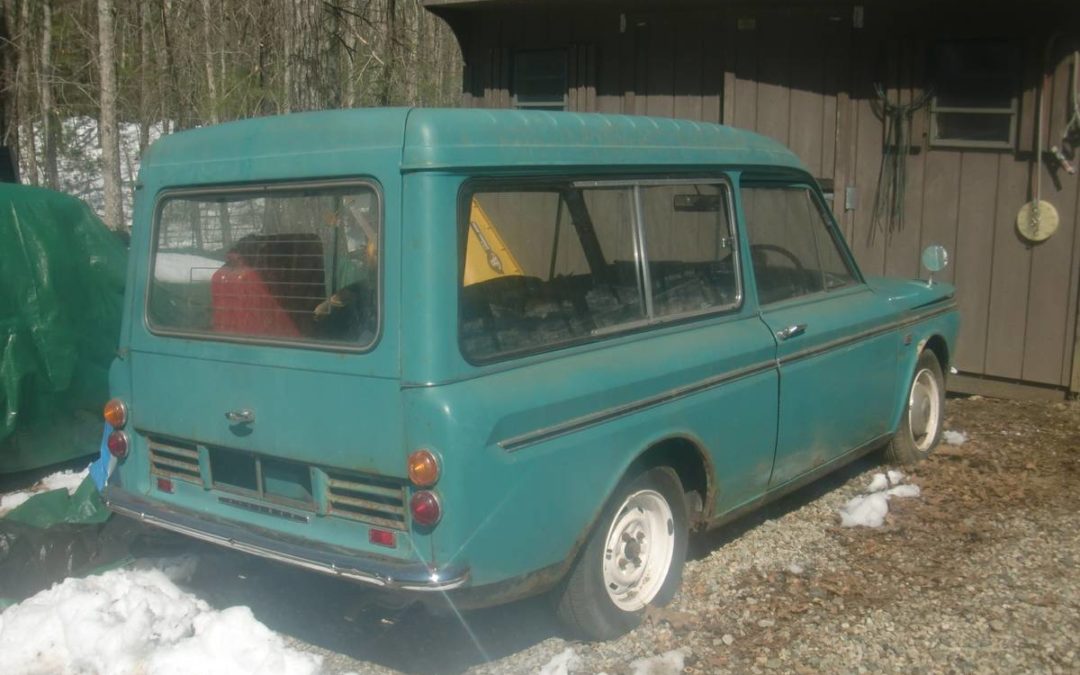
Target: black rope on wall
[(888, 213)]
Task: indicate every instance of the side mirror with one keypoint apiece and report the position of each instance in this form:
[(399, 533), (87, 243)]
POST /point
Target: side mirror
[(934, 258)]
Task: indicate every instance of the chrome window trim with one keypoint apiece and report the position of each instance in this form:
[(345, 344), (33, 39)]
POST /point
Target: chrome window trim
[(256, 188)]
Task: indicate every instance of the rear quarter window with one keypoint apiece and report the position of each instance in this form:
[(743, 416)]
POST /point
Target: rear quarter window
[(296, 264)]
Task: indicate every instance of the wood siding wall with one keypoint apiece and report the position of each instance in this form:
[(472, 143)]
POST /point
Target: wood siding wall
[(805, 77)]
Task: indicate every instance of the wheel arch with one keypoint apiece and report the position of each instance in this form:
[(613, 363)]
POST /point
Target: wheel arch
[(686, 455), (937, 344)]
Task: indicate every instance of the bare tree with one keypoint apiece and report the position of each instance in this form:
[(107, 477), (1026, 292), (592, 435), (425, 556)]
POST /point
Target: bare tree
[(9, 125), (108, 128), (49, 119), (23, 96), (208, 62)]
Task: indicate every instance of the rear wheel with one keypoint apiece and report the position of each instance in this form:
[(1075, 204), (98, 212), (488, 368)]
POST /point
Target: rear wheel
[(921, 426), (633, 558)]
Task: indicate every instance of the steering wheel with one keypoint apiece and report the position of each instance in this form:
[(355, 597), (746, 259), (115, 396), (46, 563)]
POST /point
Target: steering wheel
[(780, 250)]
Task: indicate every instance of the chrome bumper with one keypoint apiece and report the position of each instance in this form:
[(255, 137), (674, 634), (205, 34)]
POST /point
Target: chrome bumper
[(359, 566)]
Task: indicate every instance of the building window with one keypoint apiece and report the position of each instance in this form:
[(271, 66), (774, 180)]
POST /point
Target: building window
[(975, 102), (540, 79)]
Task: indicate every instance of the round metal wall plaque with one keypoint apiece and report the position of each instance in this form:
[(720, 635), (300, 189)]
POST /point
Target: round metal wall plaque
[(1039, 228)]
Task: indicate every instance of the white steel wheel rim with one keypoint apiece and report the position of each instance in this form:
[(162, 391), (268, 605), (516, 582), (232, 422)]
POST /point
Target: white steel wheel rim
[(638, 550), (924, 409)]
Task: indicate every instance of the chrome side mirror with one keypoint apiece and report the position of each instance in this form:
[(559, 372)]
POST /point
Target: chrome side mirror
[(934, 258)]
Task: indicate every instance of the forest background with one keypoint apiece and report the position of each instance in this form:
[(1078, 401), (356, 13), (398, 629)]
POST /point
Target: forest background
[(87, 85)]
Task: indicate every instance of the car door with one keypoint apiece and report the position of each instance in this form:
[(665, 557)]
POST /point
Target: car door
[(836, 356)]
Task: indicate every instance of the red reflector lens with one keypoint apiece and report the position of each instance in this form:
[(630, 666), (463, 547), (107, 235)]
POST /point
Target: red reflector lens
[(117, 444), (425, 508), (165, 485), (382, 538)]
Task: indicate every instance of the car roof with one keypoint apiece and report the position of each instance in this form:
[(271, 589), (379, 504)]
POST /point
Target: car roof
[(430, 138)]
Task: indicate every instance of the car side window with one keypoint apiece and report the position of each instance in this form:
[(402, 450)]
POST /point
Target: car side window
[(791, 246), (690, 247), (544, 265)]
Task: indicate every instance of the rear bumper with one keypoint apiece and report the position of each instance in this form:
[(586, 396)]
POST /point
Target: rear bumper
[(356, 565)]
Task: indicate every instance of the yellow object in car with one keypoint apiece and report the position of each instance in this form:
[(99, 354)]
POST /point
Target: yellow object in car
[(487, 256)]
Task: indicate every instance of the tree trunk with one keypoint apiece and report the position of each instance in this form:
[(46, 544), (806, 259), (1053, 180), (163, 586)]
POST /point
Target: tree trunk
[(50, 122), (23, 95), (287, 55), (144, 78), (390, 51), (108, 129), (167, 74), (9, 122), (208, 62)]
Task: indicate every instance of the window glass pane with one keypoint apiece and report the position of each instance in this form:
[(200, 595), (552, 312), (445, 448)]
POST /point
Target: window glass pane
[(546, 266), (690, 247), (293, 264), (780, 222), (540, 79), (974, 127), (834, 266)]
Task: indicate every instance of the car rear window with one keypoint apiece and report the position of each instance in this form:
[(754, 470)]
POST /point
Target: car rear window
[(296, 264)]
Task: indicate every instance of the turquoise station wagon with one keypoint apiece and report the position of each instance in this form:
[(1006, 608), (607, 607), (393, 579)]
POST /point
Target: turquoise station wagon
[(488, 354)]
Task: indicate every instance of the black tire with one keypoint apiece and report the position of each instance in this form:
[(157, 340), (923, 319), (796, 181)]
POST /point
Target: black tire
[(583, 601), (912, 445)]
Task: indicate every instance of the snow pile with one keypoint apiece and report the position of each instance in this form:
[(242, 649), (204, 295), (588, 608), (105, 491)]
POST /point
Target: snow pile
[(869, 510), (955, 437), (563, 663), (138, 621), (668, 663), (62, 480), (183, 268)]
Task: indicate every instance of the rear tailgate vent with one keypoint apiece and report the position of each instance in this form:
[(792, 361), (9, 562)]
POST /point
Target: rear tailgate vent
[(174, 459), (368, 499)]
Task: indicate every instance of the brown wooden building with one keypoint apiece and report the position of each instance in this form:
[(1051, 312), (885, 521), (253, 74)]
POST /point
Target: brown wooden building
[(920, 118)]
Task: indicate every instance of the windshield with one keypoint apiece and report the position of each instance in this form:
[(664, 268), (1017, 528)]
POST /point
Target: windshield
[(295, 264)]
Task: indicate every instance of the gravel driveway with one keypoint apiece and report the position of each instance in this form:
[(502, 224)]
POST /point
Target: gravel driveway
[(978, 574)]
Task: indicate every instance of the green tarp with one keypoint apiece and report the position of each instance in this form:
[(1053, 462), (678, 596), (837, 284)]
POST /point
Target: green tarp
[(61, 296), (46, 509)]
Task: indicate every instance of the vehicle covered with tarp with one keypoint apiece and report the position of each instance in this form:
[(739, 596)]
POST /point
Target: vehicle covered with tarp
[(61, 295)]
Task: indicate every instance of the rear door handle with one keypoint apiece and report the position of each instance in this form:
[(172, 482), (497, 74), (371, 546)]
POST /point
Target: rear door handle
[(244, 416), (791, 331)]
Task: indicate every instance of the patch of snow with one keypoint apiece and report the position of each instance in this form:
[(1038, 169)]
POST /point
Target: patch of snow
[(955, 437), (61, 480), (183, 268), (869, 510), (903, 491), (668, 663), (562, 663), (878, 483), (178, 568), (795, 568), (139, 622), (865, 510)]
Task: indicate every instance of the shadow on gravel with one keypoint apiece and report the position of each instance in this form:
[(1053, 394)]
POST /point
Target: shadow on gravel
[(703, 544), (345, 618)]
